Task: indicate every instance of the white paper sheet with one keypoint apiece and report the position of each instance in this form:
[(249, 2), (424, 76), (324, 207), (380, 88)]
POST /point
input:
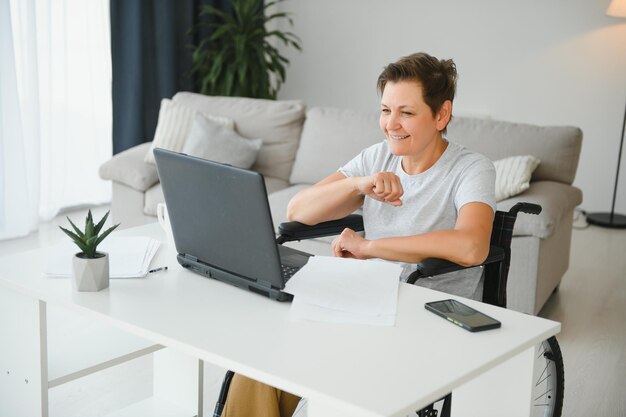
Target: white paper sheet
[(343, 290), (129, 257), (301, 310)]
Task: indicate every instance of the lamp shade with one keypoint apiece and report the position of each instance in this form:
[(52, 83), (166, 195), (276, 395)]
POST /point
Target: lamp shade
[(617, 8)]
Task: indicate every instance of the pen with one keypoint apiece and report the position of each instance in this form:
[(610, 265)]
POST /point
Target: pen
[(163, 268)]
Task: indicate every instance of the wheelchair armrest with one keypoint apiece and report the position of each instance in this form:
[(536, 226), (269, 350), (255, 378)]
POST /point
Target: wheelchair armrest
[(291, 231), (435, 266), (529, 208)]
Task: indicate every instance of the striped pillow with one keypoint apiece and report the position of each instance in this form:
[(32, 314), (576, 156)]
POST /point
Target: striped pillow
[(174, 124), (513, 175)]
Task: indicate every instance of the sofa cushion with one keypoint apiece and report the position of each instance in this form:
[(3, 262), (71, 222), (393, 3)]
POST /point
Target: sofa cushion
[(558, 147), (153, 197), (330, 138), (556, 200), (278, 123), (273, 185), (174, 124), (129, 168), (513, 175), (210, 140)]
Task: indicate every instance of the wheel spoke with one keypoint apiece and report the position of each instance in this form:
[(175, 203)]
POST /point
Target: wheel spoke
[(542, 352), (547, 376), (541, 376), (543, 395)]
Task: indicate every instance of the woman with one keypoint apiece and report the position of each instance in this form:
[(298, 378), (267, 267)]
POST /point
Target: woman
[(422, 196)]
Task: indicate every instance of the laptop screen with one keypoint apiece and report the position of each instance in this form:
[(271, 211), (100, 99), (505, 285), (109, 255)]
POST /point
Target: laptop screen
[(220, 215)]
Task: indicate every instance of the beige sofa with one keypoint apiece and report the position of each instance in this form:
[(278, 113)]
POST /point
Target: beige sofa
[(299, 148)]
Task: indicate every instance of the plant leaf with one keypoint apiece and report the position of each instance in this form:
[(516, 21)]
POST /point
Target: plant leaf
[(89, 228), (212, 11), (228, 83), (101, 223), (105, 234), (220, 32), (72, 235), (76, 239), (76, 229), (82, 247), (91, 247)]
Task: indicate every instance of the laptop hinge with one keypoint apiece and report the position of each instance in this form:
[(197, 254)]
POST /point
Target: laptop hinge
[(264, 283), (191, 258)]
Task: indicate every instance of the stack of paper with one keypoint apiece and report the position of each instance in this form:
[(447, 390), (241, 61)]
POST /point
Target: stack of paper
[(340, 290), (129, 257)]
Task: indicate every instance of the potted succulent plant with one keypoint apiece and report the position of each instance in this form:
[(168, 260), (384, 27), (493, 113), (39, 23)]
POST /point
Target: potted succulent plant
[(90, 268)]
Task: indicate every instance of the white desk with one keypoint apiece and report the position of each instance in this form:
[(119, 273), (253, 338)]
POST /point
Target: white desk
[(343, 370)]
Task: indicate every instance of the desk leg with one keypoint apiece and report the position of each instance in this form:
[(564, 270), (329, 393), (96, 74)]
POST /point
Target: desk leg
[(178, 379), (505, 390), (23, 356)]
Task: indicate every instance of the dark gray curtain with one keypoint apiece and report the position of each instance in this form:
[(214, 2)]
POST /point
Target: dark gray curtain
[(151, 60)]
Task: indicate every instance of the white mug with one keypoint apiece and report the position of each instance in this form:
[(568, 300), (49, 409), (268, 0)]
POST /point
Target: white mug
[(164, 221)]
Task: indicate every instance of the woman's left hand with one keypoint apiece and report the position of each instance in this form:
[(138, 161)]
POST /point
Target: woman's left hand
[(350, 244)]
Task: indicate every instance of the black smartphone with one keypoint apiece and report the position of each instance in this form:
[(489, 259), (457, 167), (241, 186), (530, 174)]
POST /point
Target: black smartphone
[(462, 315)]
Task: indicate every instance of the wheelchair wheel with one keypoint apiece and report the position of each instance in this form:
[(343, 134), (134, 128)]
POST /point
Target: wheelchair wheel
[(549, 380)]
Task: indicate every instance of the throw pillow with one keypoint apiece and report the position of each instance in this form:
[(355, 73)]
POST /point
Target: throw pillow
[(173, 127), (210, 140), (513, 175)]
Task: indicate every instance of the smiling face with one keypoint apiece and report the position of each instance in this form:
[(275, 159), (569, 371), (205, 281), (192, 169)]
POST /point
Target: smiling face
[(412, 130)]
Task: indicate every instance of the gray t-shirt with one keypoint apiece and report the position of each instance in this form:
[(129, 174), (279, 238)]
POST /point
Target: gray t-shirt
[(431, 201)]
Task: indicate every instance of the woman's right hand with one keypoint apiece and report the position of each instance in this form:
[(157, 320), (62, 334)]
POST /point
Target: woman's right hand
[(382, 186)]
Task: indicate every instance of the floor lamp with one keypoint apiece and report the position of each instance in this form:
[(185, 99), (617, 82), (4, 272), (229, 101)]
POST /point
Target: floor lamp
[(617, 8)]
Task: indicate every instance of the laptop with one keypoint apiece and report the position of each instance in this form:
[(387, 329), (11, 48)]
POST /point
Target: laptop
[(222, 224)]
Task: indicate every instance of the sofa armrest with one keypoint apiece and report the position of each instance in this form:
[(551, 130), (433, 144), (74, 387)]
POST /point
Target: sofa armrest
[(558, 200), (129, 168)]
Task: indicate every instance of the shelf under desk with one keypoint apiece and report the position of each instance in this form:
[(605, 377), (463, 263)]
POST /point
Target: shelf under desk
[(152, 407), (78, 346)]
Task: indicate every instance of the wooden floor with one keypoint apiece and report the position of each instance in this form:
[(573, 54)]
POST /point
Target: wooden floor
[(590, 304)]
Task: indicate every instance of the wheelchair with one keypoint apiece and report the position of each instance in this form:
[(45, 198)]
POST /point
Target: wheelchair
[(548, 373)]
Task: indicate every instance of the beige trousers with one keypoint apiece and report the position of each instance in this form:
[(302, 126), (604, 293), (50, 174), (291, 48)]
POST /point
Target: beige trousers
[(250, 398)]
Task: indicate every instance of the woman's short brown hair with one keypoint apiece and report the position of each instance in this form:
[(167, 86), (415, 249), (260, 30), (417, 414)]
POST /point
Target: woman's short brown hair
[(437, 77)]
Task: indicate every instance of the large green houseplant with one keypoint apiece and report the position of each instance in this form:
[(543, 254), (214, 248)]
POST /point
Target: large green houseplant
[(238, 58)]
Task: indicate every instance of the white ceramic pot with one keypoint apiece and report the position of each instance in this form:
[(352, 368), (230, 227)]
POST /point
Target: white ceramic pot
[(90, 274)]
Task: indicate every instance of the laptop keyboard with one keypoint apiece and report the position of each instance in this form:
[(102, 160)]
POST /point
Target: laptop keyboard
[(288, 271)]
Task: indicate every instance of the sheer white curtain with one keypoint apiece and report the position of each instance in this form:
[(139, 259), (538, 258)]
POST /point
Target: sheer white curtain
[(19, 182), (55, 98)]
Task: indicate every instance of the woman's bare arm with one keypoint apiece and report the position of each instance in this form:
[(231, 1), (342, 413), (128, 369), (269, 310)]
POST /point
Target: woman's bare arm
[(336, 196), (467, 244), (332, 198)]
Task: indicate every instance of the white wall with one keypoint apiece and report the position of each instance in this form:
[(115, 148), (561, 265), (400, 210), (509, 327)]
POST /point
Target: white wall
[(548, 62)]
